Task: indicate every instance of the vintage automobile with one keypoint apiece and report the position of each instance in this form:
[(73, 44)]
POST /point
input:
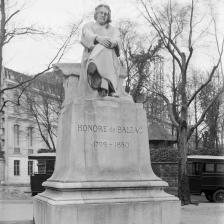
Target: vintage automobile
[(45, 163), (206, 175)]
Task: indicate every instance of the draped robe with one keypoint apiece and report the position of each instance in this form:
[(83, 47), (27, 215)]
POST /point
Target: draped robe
[(106, 60)]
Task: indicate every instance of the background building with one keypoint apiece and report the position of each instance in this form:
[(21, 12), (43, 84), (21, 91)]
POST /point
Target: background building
[(23, 127)]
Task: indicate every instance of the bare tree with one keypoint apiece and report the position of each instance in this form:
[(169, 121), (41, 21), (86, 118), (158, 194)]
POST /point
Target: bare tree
[(7, 34), (172, 24), (129, 37), (195, 86), (140, 55), (139, 59), (42, 102), (222, 131), (212, 115)]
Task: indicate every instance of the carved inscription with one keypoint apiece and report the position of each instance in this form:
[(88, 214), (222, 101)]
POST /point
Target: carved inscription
[(110, 145), (103, 128), (107, 144)]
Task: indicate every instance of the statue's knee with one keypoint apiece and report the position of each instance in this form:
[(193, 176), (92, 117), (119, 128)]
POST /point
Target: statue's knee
[(91, 68)]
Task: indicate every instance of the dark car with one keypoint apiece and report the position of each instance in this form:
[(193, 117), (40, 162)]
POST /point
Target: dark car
[(206, 175), (45, 163)]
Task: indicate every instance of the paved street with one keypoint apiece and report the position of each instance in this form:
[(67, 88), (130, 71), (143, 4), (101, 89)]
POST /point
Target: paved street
[(204, 213), (21, 212)]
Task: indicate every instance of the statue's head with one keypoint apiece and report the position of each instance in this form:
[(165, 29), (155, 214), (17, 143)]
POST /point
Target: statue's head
[(102, 14)]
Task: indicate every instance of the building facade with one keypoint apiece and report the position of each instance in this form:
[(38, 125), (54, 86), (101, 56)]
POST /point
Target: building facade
[(20, 134)]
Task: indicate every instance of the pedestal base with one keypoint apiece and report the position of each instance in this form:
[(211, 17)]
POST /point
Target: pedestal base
[(112, 206), (103, 173)]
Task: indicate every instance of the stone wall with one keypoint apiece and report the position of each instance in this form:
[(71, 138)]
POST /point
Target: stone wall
[(167, 171)]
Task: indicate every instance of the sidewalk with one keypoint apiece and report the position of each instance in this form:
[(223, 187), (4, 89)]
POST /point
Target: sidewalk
[(21, 212), (16, 211), (204, 213)]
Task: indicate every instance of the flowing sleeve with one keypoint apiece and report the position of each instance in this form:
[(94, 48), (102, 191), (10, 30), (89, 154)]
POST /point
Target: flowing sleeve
[(88, 37), (117, 40)]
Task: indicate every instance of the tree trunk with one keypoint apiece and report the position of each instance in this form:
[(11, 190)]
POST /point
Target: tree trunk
[(183, 183), (2, 39), (196, 121), (2, 35)]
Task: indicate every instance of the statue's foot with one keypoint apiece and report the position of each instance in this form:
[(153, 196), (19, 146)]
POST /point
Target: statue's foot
[(103, 92), (114, 94), (91, 68)]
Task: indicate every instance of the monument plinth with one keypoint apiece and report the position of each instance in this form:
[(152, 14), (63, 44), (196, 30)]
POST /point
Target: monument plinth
[(103, 172)]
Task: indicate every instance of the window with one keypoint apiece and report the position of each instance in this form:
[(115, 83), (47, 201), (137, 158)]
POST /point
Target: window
[(30, 167), (16, 150), (194, 168), (197, 168), (16, 107), (50, 166), (209, 167), (190, 168), (16, 135), (16, 167), (30, 137), (41, 167), (220, 167), (30, 151)]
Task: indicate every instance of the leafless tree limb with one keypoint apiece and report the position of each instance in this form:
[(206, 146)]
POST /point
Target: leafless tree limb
[(209, 78), (58, 56), (218, 47), (11, 16), (201, 119)]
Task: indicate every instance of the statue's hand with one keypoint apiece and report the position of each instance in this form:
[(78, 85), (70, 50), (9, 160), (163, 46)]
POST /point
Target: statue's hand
[(113, 43), (106, 42)]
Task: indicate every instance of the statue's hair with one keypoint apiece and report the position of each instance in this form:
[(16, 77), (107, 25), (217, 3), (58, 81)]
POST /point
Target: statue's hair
[(109, 12)]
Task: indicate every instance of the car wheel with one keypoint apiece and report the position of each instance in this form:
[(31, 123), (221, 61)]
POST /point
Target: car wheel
[(218, 196), (209, 197)]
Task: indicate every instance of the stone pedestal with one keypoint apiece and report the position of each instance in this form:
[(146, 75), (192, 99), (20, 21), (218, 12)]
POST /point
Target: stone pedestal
[(103, 172)]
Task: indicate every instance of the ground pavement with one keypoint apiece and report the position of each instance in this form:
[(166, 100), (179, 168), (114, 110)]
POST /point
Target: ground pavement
[(16, 211), (204, 213), (21, 212)]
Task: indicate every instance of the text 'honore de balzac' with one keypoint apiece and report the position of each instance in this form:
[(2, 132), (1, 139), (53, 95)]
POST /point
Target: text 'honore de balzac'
[(105, 128)]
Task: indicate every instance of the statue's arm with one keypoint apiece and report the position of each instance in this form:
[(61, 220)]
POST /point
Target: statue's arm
[(116, 41), (88, 38)]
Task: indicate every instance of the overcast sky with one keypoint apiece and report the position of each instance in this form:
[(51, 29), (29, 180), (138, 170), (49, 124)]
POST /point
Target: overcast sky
[(31, 55)]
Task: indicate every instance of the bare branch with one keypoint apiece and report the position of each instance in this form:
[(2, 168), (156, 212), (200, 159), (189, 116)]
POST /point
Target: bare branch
[(22, 31), (11, 16), (74, 29), (169, 108), (26, 81), (189, 56), (8, 40), (201, 119), (174, 55), (59, 54), (167, 40), (209, 78), (191, 28), (4, 104), (175, 46), (217, 44), (190, 34)]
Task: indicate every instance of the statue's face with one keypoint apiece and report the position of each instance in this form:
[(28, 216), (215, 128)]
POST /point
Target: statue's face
[(102, 15)]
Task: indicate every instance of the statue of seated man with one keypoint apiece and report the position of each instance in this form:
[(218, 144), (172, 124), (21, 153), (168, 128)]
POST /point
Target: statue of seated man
[(100, 73), (101, 69)]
